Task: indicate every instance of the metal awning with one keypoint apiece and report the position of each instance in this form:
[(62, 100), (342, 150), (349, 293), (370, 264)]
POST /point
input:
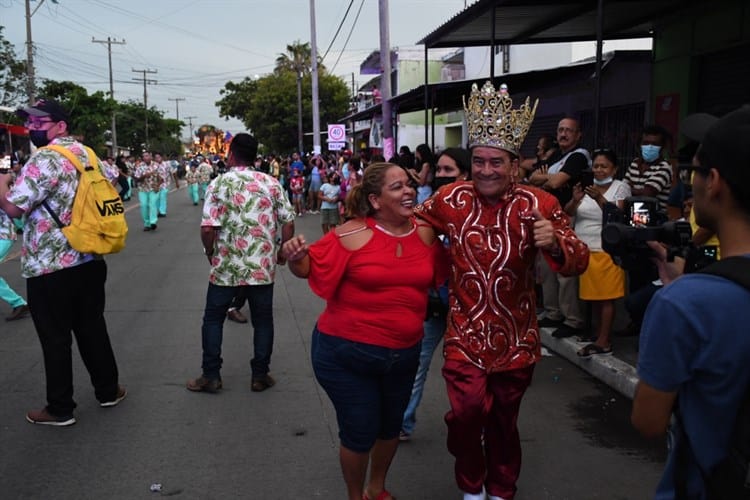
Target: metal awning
[(547, 21), (448, 96)]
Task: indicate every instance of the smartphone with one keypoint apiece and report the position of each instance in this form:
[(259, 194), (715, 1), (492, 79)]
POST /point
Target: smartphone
[(587, 178)]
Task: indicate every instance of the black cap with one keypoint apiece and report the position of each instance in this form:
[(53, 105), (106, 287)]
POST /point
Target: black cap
[(44, 108), (725, 144)]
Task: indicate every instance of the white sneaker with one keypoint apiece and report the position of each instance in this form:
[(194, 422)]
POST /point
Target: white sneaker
[(475, 496)]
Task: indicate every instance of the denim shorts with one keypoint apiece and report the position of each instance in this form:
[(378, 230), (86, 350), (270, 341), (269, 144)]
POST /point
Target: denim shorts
[(368, 385)]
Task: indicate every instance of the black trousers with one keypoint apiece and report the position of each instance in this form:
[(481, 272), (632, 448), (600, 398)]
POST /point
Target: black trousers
[(72, 300)]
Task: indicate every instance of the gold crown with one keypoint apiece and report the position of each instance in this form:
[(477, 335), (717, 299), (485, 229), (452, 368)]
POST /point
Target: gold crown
[(492, 121)]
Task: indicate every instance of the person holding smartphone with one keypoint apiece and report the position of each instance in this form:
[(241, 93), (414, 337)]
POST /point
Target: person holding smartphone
[(603, 281)]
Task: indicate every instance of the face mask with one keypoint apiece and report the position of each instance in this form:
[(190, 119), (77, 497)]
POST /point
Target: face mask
[(443, 181), (38, 138), (649, 152), (603, 182)]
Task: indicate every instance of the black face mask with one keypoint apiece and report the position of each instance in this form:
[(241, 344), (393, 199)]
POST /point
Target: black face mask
[(442, 181), (38, 138)]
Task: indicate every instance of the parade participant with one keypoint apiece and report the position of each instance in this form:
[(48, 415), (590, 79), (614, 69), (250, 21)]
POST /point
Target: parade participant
[(244, 215), (693, 349), (453, 164), (366, 358), (65, 288), (495, 228), (191, 177), (165, 176), (148, 180), (19, 308), (205, 173)]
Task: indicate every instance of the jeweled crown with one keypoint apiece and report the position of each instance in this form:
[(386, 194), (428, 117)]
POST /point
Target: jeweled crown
[(492, 121)]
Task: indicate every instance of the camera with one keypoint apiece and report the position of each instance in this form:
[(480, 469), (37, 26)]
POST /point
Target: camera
[(625, 232)]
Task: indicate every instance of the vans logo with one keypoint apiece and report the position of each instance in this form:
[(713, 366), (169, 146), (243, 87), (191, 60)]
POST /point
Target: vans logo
[(110, 207)]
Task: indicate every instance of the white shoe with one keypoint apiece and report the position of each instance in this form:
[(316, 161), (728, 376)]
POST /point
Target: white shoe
[(475, 496), (492, 497)]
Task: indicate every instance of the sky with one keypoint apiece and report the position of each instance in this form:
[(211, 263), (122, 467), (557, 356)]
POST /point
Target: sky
[(196, 46)]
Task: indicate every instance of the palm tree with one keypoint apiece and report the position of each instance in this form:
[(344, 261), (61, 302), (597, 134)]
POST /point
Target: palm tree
[(297, 59)]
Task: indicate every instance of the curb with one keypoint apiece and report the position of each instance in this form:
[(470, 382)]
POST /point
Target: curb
[(614, 372)]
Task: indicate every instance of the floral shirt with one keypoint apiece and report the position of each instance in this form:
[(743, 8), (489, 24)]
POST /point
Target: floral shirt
[(152, 182), (191, 176), (49, 176), (205, 171), (248, 209), (165, 173)]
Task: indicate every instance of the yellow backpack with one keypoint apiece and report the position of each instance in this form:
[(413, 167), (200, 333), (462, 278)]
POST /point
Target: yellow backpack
[(97, 223)]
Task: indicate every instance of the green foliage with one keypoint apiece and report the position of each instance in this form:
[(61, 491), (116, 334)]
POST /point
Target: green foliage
[(12, 74), (268, 105), (91, 119)]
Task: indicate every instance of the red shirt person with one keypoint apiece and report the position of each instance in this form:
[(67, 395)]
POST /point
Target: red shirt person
[(496, 228)]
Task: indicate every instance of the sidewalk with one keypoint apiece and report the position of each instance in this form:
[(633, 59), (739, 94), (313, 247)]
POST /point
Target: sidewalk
[(617, 371)]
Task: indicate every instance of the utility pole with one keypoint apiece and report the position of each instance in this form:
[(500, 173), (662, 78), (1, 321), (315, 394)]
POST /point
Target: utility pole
[(385, 79), (177, 109), (109, 41), (177, 105), (146, 81), (190, 121), (314, 75), (30, 85), (300, 143)]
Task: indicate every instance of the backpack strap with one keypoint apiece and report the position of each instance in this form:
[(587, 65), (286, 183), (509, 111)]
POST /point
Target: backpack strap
[(735, 269)]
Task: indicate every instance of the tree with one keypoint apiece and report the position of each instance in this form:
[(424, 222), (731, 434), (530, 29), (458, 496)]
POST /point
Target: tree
[(91, 119), (268, 105), (12, 74)]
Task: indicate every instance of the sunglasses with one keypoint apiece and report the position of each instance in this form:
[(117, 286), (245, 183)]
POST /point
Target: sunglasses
[(36, 123)]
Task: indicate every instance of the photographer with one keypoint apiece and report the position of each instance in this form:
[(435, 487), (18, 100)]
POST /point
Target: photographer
[(604, 281), (692, 355)]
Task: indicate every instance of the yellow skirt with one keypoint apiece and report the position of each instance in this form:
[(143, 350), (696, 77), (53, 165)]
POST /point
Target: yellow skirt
[(603, 279)]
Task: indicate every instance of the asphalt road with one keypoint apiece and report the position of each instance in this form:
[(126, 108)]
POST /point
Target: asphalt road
[(279, 444)]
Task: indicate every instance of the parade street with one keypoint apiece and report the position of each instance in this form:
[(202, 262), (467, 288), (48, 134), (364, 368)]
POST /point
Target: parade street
[(279, 444)]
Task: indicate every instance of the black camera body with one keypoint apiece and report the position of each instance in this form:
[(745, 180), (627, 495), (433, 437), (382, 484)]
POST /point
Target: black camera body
[(625, 232)]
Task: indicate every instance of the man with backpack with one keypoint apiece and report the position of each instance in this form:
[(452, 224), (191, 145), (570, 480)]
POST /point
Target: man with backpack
[(65, 286), (694, 345)]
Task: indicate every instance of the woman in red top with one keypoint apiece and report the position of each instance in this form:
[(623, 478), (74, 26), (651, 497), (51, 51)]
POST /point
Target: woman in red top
[(374, 272)]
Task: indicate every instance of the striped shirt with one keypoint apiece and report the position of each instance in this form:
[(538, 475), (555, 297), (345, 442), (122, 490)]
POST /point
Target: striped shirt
[(657, 176)]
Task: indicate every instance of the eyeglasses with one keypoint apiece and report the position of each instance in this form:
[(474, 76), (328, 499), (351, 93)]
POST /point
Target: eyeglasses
[(34, 123), (693, 168)]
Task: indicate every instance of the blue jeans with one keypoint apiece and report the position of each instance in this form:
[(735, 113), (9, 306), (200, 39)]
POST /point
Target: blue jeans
[(218, 299), (368, 385), (434, 328)]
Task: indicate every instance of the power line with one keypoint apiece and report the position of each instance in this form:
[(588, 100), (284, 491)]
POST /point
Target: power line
[(337, 30), (348, 37)]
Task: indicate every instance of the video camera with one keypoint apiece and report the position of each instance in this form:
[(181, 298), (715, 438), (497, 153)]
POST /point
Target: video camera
[(625, 232)]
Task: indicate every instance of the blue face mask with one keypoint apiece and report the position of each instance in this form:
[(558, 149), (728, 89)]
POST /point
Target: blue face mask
[(650, 153), (603, 182), (38, 138)]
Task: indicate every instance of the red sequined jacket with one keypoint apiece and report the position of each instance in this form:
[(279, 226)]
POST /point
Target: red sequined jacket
[(492, 320)]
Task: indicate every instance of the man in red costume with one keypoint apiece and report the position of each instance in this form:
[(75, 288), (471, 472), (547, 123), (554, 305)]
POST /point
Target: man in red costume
[(495, 227)]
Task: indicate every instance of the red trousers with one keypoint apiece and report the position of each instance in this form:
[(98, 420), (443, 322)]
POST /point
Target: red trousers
[(482, 426)]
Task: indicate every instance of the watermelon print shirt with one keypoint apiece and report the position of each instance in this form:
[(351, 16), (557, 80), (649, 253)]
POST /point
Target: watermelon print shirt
[(49, 176), (248, 208)]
